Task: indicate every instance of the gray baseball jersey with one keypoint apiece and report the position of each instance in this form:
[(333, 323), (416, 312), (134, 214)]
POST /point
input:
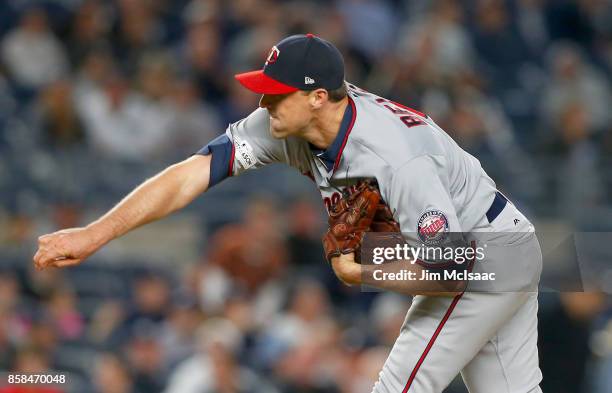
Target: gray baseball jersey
[(423, 175), (433, 187)]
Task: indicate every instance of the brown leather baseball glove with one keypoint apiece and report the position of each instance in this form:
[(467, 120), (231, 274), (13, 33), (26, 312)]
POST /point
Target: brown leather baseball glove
[(383, 220), (353, 215)]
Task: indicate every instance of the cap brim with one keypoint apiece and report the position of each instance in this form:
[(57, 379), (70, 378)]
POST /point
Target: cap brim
[(260, 83)]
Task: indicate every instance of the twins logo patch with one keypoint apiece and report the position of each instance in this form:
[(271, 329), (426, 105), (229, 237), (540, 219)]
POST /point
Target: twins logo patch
[(432, 227)]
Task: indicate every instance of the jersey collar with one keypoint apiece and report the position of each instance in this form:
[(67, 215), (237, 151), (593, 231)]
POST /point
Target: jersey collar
[(331, 156)]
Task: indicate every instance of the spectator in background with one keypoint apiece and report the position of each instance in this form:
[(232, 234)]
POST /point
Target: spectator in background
[(305, 230), (110, 375), (9, 292), (307, 309), (8, 103), (215, 368), (138, 31), (13, 327), (145, 360), (528, 18), (20, 229), (194, 120), (177, 336), (531, 25), (580, 185), (240, 311), (90, 28), (251, 253), (30, 360), (64, 315), (567, 21), (251, 45), (59, 120), (43, 338), (503, 54), (362, 370), (7, 348), (31, 53), (438, 42), (237, 104), (93, 72), (598, 14), (298, 343), (201, 53), (151, 302), (104, 327), (574, 80), (433, 50), (387, 314), (248, 47), (564, 343), (156, 77), (214, 287), (120, 123), (360, 17)]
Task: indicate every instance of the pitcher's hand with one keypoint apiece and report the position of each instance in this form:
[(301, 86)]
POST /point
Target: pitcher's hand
[(67, 247), (346, 269)]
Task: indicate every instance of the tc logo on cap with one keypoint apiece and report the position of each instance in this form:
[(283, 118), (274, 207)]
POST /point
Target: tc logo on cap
[(273, 55)]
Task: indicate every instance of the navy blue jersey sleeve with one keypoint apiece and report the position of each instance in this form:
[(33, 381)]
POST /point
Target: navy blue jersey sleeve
[(221, 165)]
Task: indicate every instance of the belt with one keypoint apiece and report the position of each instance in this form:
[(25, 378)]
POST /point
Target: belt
[(499, 202)]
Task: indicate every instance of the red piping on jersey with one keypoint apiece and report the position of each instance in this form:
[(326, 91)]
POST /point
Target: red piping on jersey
[(348, 131), (409, 109), (231, 161), (432, 341), (433, 338)]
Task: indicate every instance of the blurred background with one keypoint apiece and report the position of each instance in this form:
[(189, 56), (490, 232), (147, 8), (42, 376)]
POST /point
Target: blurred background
[(232, 294)]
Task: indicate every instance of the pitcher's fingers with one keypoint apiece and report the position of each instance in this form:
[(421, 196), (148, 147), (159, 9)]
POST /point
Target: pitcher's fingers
[(66, 262), (36, 258), (41, 259)]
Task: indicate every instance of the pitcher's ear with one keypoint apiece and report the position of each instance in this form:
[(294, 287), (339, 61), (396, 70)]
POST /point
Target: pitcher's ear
[(318, 97)]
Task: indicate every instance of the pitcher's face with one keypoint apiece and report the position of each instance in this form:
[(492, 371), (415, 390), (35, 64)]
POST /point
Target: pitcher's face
[(289, 113)]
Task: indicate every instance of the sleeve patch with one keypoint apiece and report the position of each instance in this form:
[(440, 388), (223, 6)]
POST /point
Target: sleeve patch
[(244, 153), (433, 227)]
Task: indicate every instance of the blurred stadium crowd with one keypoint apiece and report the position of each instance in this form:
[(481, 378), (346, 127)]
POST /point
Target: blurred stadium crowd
[(97, 95)]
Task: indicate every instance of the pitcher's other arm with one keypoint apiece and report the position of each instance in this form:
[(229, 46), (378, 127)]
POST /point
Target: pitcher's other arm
[(394, 277)]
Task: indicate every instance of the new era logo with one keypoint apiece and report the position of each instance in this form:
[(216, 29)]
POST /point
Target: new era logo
[(308, 80)]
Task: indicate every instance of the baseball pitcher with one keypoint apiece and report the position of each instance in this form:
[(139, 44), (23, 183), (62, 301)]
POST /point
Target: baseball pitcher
[(342, 137)]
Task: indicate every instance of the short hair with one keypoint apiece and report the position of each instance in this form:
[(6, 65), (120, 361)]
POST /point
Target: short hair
[(337, 94)]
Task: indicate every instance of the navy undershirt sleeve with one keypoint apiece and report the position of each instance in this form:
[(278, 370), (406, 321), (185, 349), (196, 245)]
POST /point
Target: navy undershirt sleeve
[(221, 165)]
